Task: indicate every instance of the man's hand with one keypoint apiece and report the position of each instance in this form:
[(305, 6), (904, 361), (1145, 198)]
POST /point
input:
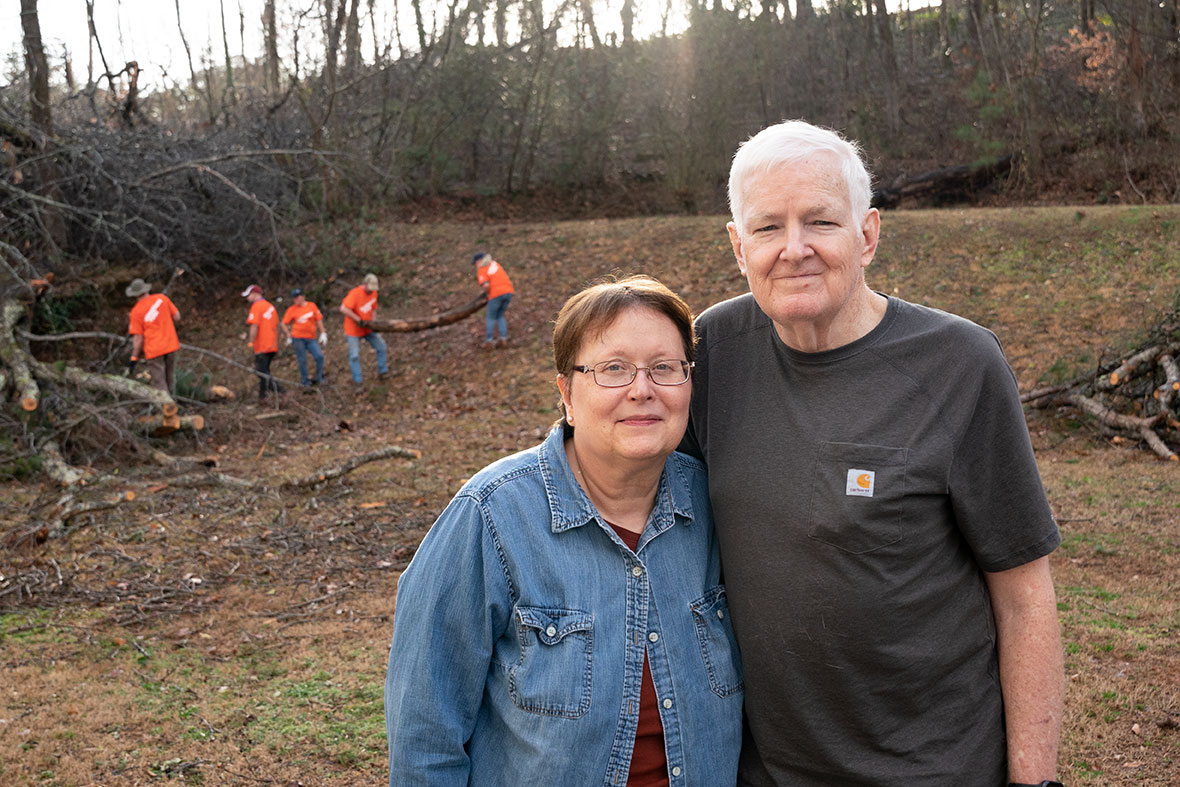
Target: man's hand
[(288, 340), (323, 339), (131, 366)]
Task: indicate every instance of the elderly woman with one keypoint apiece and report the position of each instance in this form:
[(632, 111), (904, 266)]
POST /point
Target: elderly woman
[(564, 622)]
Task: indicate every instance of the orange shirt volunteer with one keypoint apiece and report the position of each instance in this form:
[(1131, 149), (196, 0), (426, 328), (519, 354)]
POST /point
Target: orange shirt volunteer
[(497, 277), (362, 303), (266, 338), (152, 317), (302, 320)]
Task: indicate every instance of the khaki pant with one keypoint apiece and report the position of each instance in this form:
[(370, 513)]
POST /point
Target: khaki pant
[(161, 370)]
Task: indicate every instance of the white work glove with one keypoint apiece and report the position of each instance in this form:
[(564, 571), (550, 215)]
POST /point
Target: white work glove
[(323, 339), (288, 341)]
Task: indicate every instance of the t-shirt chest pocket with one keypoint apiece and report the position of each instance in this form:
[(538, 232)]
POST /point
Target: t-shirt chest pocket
[(857, 496)]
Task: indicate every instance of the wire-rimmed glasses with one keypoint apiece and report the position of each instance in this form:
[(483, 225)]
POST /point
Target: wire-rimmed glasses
[(617, 374)]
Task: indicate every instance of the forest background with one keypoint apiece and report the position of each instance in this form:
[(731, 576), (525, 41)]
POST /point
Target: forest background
[(188, 608)]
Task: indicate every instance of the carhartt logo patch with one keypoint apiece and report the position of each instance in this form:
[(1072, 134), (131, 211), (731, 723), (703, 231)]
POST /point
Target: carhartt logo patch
[(860, 483)]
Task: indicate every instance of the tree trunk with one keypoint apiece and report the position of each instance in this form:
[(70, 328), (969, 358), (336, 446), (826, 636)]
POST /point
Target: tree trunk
[(889, 61), (271, 33), (37, 66), (352, 40), (229, 63)]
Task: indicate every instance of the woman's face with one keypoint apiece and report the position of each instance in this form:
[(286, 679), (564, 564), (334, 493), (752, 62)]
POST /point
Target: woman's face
[(637, 421)]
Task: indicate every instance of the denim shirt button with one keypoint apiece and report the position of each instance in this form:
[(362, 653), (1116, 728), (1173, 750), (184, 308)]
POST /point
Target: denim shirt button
[(667, 703), (637, 570), (676, 770), (551, 630), (721, 614), (654, 637)]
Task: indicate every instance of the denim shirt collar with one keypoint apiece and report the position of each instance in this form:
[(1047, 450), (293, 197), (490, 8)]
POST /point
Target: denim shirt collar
[(572, 508)]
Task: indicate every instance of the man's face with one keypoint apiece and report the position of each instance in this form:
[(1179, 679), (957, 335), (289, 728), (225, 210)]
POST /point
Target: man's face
[(300, 300), (800, 249)]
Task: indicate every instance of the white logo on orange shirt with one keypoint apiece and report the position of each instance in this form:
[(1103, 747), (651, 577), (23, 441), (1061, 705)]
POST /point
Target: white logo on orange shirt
[(266, 315), (303, 317), (860, 483), (153, 312), (368, 307)]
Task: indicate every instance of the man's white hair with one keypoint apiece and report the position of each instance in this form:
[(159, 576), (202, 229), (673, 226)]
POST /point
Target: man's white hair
[(791, 142)]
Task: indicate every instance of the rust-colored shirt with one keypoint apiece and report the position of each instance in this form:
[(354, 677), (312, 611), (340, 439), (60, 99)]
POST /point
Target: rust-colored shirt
[(649, 763)]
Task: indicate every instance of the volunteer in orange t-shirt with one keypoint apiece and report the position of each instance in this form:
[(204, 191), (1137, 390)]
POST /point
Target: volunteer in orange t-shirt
[(495, 282), (358, 307), (153, 334), (263, 320), (302, 322)]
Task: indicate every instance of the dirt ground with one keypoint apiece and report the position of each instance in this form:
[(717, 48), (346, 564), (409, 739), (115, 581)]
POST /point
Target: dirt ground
[(215, 635)]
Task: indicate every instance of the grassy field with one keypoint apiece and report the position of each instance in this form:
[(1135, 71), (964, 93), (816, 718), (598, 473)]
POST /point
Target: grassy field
[(211, 636)]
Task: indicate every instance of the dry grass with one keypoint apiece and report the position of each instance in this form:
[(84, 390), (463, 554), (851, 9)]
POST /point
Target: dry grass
[(212, 637)]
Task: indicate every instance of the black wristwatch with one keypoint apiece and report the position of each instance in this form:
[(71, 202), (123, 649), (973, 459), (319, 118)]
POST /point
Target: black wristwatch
[(1046, 783)]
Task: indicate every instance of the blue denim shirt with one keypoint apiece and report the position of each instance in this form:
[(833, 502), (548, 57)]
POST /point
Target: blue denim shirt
[(521, 627)]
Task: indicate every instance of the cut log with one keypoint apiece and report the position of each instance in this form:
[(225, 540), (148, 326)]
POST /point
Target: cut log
[(1158, 445), (163, 425), (1111, 418), (25, 387), (1128, 368), (169, 409), (1167, 392), (425, 323), (219, 393)]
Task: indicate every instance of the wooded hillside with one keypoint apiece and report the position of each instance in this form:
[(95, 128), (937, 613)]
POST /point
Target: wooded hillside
[(520, 109)]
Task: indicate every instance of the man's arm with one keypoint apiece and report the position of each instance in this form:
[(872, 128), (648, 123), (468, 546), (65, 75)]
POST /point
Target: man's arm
[(347, 312), (1031, 668), (253, 333), (136, 345)]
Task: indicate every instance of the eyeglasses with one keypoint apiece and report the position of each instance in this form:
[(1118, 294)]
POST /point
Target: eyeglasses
[(617, 374)]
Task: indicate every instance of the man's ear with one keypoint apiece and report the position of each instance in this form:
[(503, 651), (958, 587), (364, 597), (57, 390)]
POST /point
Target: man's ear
[(870, 232), (735, 240)]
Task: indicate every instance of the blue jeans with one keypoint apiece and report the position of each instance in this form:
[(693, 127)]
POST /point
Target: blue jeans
[(496, 308), (302, 348), (354, 354)]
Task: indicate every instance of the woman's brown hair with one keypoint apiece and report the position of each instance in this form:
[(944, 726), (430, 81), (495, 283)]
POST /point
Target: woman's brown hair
[(595, 308)]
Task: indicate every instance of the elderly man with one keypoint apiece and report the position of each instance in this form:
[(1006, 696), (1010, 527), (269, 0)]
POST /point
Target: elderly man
[(882, 523), (153, 334), (358, 307)]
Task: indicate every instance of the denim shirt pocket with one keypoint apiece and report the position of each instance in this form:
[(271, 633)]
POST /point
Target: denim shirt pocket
[(719, 648), (552, 675)]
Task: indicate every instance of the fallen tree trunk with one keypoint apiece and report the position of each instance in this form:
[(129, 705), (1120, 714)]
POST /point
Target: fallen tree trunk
[(119, 387), (1127, 401), (15, 358), (426, 323)]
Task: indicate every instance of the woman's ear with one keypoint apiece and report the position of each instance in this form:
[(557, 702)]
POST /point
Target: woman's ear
[(563, 385)]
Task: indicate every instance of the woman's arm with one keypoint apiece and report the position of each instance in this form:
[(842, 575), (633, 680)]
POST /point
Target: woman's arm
[(453, 601)]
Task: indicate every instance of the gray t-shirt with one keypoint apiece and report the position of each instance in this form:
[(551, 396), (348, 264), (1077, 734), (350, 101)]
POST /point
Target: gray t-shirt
[(859, 494)]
